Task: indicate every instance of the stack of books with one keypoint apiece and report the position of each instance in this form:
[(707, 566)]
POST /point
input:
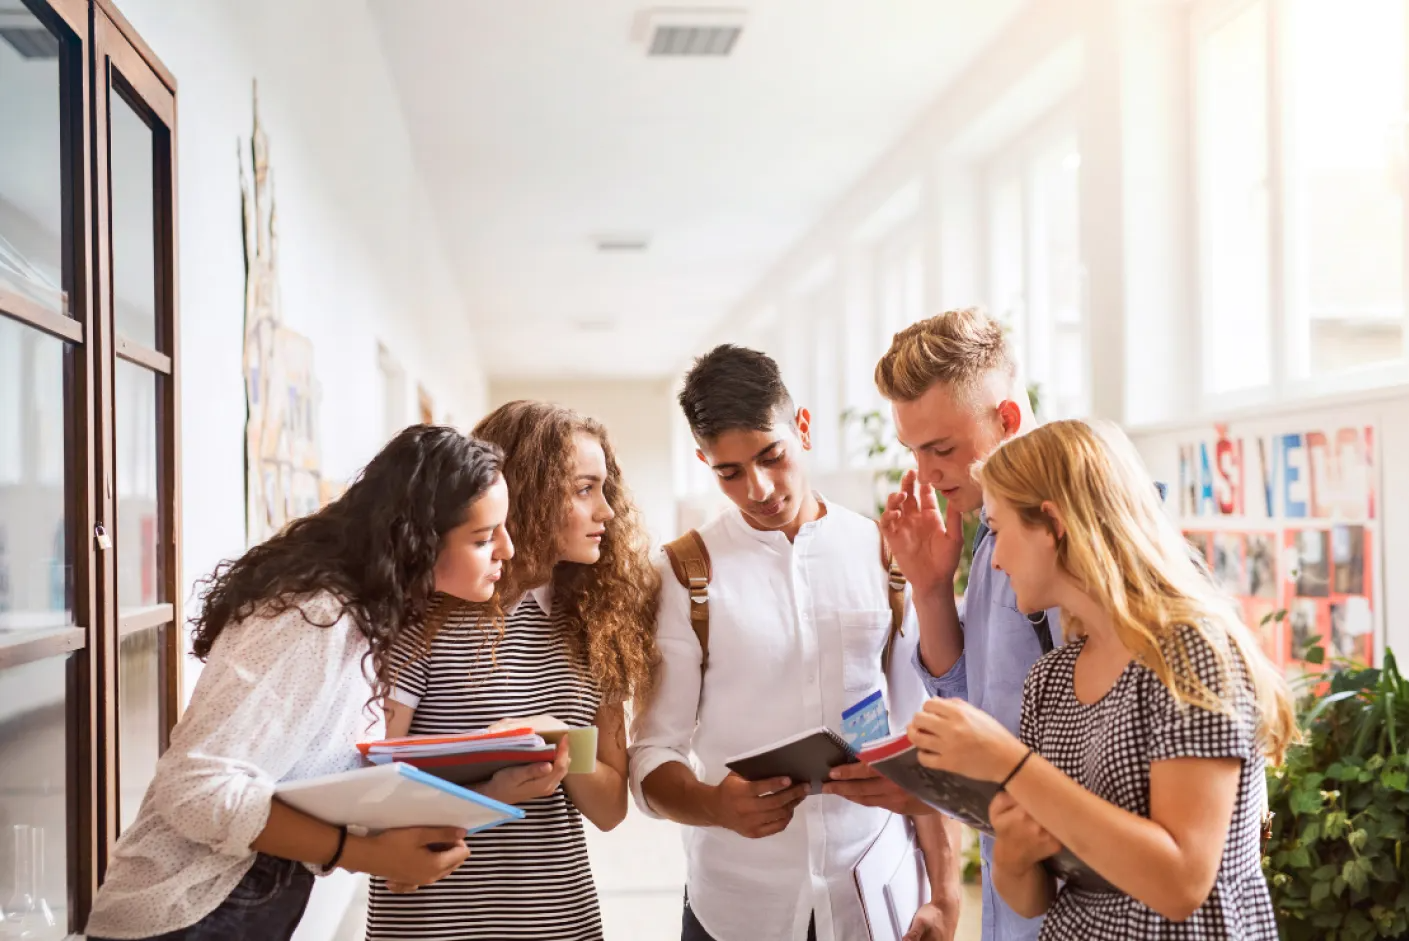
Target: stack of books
[(475, 757)]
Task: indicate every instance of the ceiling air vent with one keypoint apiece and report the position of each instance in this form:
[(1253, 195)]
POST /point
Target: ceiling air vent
[(621, 243), (689, 32)]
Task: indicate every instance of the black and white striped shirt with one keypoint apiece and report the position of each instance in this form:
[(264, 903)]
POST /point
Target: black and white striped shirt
[(528, 878)]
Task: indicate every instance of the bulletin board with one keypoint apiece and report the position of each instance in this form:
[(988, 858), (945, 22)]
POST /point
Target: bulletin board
[(1289, 521)]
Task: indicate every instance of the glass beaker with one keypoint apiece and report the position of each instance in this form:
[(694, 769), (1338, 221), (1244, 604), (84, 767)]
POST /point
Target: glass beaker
[(26, 913)]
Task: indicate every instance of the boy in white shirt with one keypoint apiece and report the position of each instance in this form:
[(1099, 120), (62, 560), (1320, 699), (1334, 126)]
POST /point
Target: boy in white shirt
[(798, 617)]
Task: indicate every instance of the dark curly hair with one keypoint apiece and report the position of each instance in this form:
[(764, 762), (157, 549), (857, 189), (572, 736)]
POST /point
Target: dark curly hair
[(374, 548), (610, 606)]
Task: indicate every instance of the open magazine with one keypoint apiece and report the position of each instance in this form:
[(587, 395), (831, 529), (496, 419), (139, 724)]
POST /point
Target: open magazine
[(964, 799)]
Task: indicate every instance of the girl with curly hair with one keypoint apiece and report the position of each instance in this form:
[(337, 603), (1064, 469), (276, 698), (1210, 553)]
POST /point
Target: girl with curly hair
[(297, 635), (575, 644)]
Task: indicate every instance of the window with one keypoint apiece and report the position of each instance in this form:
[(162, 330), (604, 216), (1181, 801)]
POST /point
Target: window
[(1300, 152), (1006, 284), (1232, 133), (1056, 325), (393, 379), (900, 282), (1035, 279), (89, 596), (819, 311), (1345, 178)]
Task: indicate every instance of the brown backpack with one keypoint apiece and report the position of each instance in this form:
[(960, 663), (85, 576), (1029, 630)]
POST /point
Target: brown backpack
[(689, 559)]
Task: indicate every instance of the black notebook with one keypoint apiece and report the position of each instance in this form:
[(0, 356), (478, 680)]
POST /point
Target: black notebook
[(807, 757), (964, 799)]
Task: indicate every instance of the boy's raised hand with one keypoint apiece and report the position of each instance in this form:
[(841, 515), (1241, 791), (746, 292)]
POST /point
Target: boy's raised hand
[(925, 542)]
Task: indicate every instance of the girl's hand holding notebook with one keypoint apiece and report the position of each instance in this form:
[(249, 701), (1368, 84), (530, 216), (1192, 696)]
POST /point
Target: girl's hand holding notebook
[(517, 785)]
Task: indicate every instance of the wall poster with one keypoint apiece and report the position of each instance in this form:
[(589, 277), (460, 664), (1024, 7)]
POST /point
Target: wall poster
[(1289, 521), (283, 476)]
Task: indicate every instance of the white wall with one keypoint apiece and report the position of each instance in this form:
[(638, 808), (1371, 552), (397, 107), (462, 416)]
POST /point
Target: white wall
[(638, 417), (360, 260)]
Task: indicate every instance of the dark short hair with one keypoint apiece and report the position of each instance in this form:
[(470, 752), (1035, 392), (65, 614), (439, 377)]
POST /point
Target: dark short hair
[(732, 388)]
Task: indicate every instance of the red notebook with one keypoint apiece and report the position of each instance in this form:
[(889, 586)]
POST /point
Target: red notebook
[(468, 758), (391, 744)]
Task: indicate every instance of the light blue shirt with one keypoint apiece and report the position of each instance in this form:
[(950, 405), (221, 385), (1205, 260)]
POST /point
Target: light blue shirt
[(1000, 647)]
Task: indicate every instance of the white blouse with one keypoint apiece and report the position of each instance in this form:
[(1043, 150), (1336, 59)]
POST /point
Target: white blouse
[(279, 700)]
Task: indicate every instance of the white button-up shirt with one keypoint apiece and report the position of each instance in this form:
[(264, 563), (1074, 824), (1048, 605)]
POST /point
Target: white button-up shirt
[(796, 632)]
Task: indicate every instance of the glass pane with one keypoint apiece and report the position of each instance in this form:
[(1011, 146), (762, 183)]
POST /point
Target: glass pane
[(1005, 254), (898, 275), (33, 806), (1232, 159), (914, 284), (35, 575), (133, 225), (138, 717), (1068, 391), (140, 541), (1057, 193), (32, 227), (1345, 181), (826, 387)]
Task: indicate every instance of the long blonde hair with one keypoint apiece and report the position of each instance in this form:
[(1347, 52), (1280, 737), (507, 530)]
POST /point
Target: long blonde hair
[(1123, 551)]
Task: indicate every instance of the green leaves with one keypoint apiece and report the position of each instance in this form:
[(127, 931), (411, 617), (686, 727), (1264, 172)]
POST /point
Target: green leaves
[(1336, 863)]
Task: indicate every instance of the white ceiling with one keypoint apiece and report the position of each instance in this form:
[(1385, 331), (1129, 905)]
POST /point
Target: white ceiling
[(538, 124)]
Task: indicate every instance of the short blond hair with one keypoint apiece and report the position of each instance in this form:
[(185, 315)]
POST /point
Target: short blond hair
[(958, 348)]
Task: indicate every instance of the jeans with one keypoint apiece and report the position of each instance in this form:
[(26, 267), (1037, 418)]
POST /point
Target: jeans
[(692, 930), (265, 906)]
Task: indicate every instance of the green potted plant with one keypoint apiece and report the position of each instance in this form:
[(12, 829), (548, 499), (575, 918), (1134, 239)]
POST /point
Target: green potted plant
[(1336, 860)]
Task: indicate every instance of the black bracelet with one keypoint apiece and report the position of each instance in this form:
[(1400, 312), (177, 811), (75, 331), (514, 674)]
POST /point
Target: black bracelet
[(342, 842), (1014, 773)]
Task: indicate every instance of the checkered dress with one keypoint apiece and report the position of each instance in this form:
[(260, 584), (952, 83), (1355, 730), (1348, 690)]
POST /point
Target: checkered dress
[(1107, 747)]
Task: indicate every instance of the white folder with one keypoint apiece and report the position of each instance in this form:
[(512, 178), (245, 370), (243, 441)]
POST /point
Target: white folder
[(385, 797), (892, 881)]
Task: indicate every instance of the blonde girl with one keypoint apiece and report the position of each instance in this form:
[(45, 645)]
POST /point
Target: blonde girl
[(1143, 739)]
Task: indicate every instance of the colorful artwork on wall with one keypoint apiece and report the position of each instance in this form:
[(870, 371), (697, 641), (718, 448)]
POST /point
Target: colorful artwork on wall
[(1289, 521), (283, 475)]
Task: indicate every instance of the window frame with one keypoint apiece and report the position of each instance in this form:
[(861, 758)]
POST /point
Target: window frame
[(98, 47), (1018, 160), (1288, 337)]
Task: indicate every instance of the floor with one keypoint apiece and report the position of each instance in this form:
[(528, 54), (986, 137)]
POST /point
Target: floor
[(640, 872)]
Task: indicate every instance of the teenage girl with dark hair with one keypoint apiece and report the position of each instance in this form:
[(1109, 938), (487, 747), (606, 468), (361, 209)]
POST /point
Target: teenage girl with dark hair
[(296, 635)]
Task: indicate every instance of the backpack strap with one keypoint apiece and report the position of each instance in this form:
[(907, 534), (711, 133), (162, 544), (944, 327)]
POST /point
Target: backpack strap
[(689, 559), (895, 589)]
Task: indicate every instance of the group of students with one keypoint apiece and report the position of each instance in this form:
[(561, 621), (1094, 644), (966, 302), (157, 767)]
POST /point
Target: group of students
[(1091, 669)]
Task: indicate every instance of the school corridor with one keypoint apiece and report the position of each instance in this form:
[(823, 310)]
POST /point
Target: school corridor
[(244, 243)]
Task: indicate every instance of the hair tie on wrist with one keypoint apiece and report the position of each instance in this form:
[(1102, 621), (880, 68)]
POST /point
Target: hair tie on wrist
[(342, 843), (1012, 774)]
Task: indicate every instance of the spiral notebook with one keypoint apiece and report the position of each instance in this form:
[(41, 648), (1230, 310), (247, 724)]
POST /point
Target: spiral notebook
[(807, 757), (964, 799)]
